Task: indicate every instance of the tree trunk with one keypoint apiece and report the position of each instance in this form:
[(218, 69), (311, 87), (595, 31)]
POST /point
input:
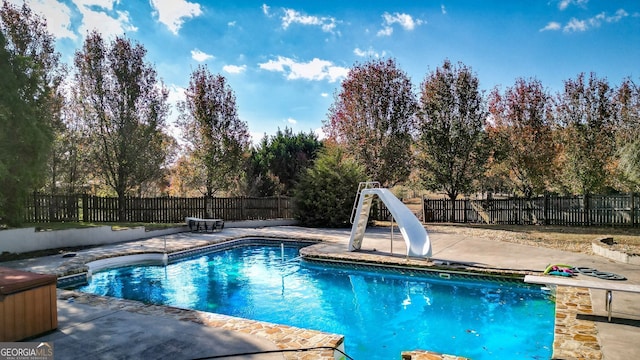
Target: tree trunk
[(452, 198), (121, 206)]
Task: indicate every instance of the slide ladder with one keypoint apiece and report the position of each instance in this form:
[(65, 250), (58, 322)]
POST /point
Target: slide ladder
[(478, 208), (412, 230), (360, 215)]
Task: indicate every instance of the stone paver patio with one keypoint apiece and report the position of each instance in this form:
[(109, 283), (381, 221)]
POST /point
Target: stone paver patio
[(581, 328)]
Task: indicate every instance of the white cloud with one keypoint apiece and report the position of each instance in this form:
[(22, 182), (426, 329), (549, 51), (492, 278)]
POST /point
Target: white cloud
[(327, 24), (320, 133), (99, 15), (231, 24), (173, 13), (385, 31), (406, 21), (58, 16), (324, 95), (176, 94), (265, 9), (620, 14), (234, 69), (337, 72), (575, 25), (292, 121), (563, 4), (443, 9), (368, 53), (256, 137), (200, 56), (105, 4), (552, 26), (315, 69), (276, 65)]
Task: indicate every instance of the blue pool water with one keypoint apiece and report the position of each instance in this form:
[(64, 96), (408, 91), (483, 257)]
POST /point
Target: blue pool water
[(380, 312)]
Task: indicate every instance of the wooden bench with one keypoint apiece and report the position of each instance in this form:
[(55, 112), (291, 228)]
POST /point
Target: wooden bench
[(198, 224), (608, 286)]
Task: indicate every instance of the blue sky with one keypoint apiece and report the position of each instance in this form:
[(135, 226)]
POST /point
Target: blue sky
[(285, 59)]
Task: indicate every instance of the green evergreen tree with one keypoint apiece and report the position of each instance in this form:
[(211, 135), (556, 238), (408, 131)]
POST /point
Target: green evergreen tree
[(30, 75), (278, 160), (325, 194)]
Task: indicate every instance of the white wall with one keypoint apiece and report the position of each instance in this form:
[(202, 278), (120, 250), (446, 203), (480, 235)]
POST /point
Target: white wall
[(28, 239)]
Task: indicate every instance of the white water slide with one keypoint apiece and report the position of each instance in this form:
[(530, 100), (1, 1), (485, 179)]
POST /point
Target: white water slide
[(413, 232)]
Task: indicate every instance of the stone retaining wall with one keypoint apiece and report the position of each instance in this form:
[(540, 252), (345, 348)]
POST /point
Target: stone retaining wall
[(603, 248)]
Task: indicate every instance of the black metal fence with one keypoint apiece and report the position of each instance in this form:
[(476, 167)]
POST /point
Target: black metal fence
[(591, 210), (88, 208)]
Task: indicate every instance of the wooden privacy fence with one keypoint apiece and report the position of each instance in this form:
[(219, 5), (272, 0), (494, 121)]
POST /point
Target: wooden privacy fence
[(591, 210), (88, 208)]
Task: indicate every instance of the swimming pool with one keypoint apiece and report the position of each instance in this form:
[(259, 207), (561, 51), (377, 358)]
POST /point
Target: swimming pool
[(380, 312)]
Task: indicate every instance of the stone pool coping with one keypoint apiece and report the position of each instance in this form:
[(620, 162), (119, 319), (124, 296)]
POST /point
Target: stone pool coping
[(575, 336)]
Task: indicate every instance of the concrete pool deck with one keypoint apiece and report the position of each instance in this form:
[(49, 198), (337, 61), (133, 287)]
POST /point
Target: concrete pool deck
[(84, 324)]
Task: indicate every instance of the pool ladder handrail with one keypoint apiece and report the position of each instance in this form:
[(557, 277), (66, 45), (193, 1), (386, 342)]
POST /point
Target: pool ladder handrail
[(361, 186)]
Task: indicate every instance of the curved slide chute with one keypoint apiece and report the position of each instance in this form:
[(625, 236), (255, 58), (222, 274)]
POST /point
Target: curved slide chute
[(413, 232)]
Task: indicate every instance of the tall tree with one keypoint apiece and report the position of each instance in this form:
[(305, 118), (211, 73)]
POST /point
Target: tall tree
[(69, 164), (30, 77), (217, 138), (373, 119), (124, 107), (452, 143), (521, 130), (627, 101), (586, 111), (286, 155), (259, 180)]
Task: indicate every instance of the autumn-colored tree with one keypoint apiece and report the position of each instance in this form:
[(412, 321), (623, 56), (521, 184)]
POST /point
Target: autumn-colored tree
[(452, 143), (372, 117), (69, 164), (628, 132), (586, 112), (217, 139), (124, 107), (30, 78), (181, 178), (521, 132)]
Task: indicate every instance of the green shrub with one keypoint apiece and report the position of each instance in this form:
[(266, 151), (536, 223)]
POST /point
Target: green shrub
[(325, 193)]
